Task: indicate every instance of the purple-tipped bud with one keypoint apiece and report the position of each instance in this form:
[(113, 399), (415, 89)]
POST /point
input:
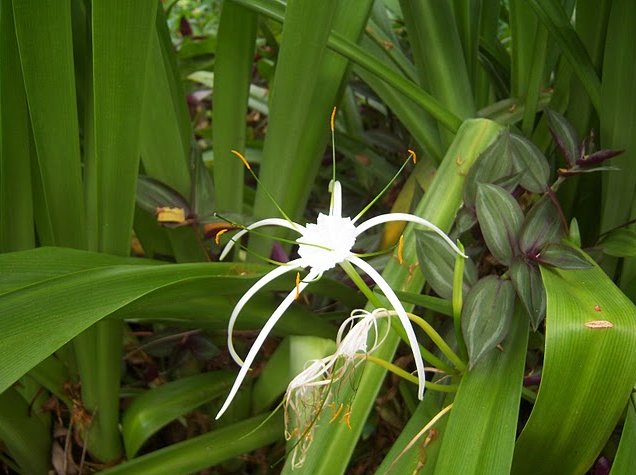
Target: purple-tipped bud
[(598, 157)]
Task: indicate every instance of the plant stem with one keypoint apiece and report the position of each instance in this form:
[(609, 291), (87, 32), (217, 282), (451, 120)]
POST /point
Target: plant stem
[(458, 295), (445, 388), (439, 341)]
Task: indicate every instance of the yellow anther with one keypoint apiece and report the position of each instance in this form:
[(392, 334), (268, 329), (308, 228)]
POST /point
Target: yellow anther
[(297, 285), (167, 215), (336, 412), (346, 417), (217, 238), (413, 155), (243, 159), (400, 250), (333, 119)]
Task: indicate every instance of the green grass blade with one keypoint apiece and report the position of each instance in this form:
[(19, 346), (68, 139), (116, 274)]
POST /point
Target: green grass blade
[(483, 422), (16, 204), (554, 18), (358, 56), (334, 443), (206, 450), (625, 460), (155, 408), (46, 55), (438, 55), (597, 365), (24, 435), (232, 78), (617, 113)]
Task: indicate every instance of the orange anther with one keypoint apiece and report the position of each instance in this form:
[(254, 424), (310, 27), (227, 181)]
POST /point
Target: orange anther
[(400, 249), (413, 155), (297, 285), (333, 119), (243, 159), (217, 238)]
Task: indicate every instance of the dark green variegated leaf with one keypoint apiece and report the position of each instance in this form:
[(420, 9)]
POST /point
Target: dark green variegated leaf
[(529, 160), (527, 282), (500, 219), (541, 226), (437, 263), (486, 316), (564, 135), (465, 220), (493, 164), (153, 194), (563, 257), (620, 243)]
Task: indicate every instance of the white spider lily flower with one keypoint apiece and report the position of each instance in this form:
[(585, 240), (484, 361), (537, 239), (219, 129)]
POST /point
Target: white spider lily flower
[(322, 246), (308, 393)]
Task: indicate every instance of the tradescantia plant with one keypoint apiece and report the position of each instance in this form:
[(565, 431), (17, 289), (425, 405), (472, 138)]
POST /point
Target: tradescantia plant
[(118, 186)]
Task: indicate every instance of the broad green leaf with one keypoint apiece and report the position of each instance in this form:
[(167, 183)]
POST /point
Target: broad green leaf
[(625, 460), (493, 164), (531, 163), (589, 348), (232, 76), (500, 219), (620, 243), (156, 407), (24, 435), (564, 135), (555, 19), (482, 425), (153, 194), (541, 226), (16, 201), (486, 316), (206, 450), (72, 302), (527, 282), (436, 262), (49, 81), (563, 257)]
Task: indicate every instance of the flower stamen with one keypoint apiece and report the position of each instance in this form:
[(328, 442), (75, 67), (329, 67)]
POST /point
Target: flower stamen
[(217, 238), (400, 249), (297, 285)]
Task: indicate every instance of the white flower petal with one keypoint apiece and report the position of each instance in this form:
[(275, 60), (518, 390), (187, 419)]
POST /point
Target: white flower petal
[(336, 199), (262, 282), (258, 224), (385, 218), (251, 355), (401, 313)]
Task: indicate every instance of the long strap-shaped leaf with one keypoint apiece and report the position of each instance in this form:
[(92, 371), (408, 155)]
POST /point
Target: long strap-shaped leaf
[(590, 352)]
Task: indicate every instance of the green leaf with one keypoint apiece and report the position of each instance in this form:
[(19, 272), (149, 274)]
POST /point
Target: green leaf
[(74, 301), (625, 460), (541, 226), (620, 243), (153, 194), (482, 425), (16, 200), (531, 163), (527, 282), (563, 257), (156, 407), (486, 316), (589, 348), (493, 164), (437, 262), (25, 436), (49, 81), (500, 219), (206, 450), (564, 135)]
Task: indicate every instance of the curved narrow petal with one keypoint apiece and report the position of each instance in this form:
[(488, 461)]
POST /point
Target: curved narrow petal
[(336, 199), (284, 305), (258, 224), (385, 218), (262, 282), (401, 313)]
